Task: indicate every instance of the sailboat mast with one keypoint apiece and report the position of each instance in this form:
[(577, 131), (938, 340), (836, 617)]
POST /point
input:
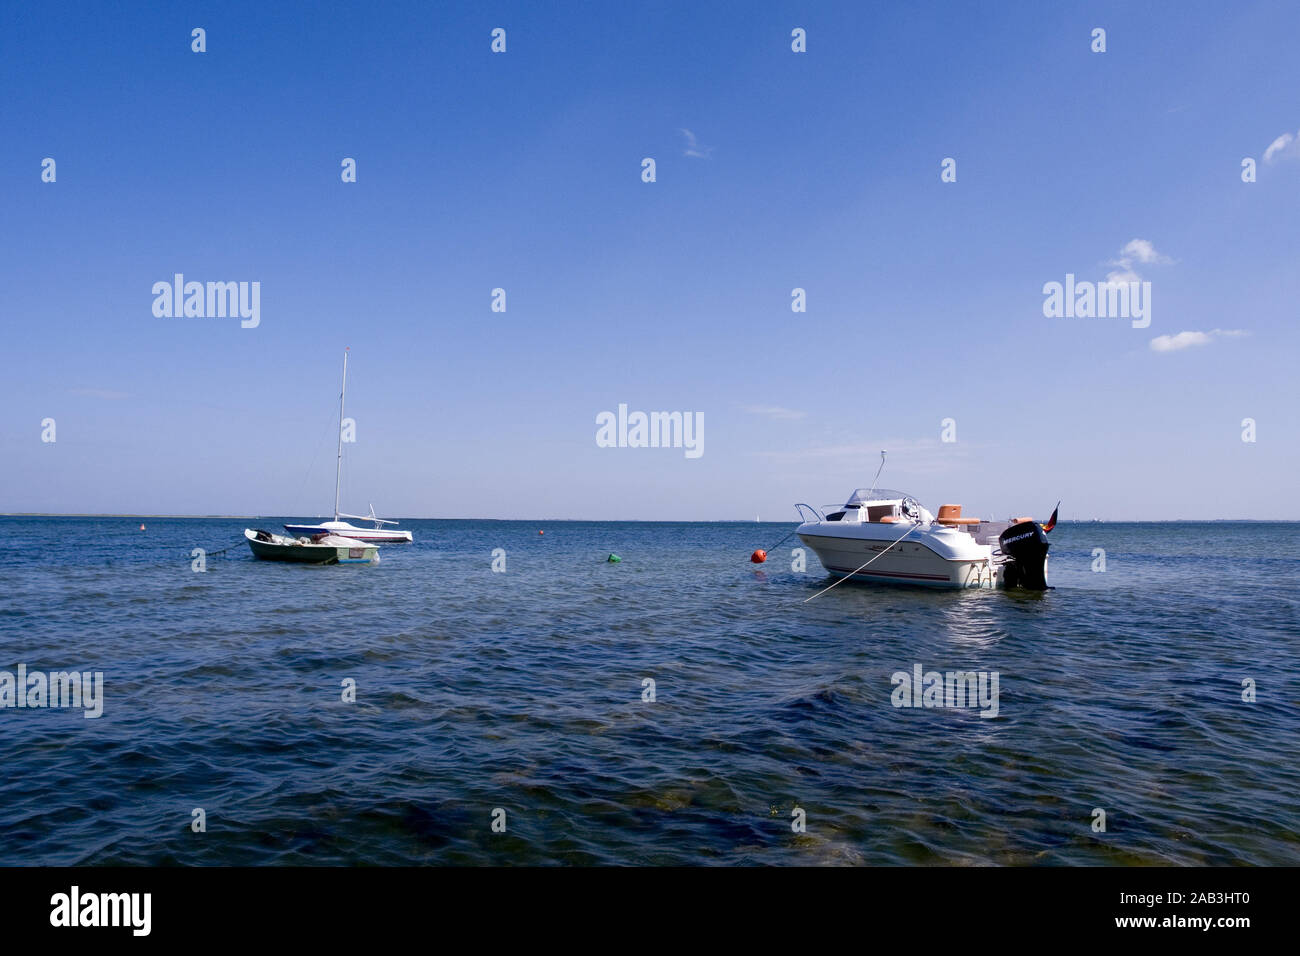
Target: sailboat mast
[(338, 468)]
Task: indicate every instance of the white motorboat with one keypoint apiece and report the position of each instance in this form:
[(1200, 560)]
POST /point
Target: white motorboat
[(883, 535), (316, 549), (378, 534)]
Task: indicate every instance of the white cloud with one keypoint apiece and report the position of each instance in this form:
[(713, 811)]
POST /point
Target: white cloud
[(1176, 343), (693, 147), (1279, 147), (1143, 251), (774, 412), (1134, 252), (1187, 340), (909, 455)]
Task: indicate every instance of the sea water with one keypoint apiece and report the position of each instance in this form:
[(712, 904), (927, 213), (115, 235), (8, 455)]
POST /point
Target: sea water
[(682, 706)]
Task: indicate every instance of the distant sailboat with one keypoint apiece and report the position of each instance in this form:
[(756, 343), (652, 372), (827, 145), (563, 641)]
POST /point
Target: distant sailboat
[(377, 534)]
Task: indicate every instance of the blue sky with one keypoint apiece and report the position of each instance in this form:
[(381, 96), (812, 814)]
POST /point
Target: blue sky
[(522, 170)]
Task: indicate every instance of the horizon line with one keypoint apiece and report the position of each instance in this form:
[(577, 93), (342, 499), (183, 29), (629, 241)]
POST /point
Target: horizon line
[(94, 514)]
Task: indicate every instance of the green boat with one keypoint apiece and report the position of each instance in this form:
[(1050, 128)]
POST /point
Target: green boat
[(317, 549)]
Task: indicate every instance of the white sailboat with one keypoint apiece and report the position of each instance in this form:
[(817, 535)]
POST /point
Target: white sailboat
[(378, 534)]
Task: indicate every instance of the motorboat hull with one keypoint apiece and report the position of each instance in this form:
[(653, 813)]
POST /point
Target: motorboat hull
[(372, 535), (883, 535), (906, 562), (274, 547)]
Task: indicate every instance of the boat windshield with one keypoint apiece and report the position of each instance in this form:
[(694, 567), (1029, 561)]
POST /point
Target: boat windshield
[(864, 495)]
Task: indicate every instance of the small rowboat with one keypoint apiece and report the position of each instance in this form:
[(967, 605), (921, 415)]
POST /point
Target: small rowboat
[(317, 549)]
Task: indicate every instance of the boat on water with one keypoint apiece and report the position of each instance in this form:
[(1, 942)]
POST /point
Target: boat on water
[(316, 549), (888, 536), (377, 534)]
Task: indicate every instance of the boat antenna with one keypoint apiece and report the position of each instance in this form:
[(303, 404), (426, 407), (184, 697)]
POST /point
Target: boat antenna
[(338, 468), (878, 471)]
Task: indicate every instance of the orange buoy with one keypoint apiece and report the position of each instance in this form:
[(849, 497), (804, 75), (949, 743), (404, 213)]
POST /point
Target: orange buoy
[(541, 532), (759, 556)]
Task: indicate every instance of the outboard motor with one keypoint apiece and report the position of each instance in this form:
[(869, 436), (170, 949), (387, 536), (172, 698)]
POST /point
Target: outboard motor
[(1025, 545)]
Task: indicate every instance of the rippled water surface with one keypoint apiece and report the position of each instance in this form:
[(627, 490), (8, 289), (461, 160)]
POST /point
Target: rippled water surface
[(523, 691)]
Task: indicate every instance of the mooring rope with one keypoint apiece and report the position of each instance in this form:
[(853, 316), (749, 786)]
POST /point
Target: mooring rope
[(778, 544), (212, 554), (850, 574)]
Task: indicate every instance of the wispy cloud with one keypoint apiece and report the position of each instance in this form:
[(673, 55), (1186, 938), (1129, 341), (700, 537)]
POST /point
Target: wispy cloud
[(1141, 250), (775, 412), (104, 393), (1135, 252), (912, 455), (693, 147), (1187, 340), (1286, 146)]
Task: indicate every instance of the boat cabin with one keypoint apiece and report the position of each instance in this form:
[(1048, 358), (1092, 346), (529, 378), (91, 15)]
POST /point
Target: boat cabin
[(883, 506), (876, 504), (888, 507)]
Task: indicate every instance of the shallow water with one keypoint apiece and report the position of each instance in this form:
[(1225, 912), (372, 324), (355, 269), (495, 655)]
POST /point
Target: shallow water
[(523, 691)]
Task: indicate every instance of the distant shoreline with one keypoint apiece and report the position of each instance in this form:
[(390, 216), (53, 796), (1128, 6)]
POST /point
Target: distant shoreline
[(75, 514), (90, 514)]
